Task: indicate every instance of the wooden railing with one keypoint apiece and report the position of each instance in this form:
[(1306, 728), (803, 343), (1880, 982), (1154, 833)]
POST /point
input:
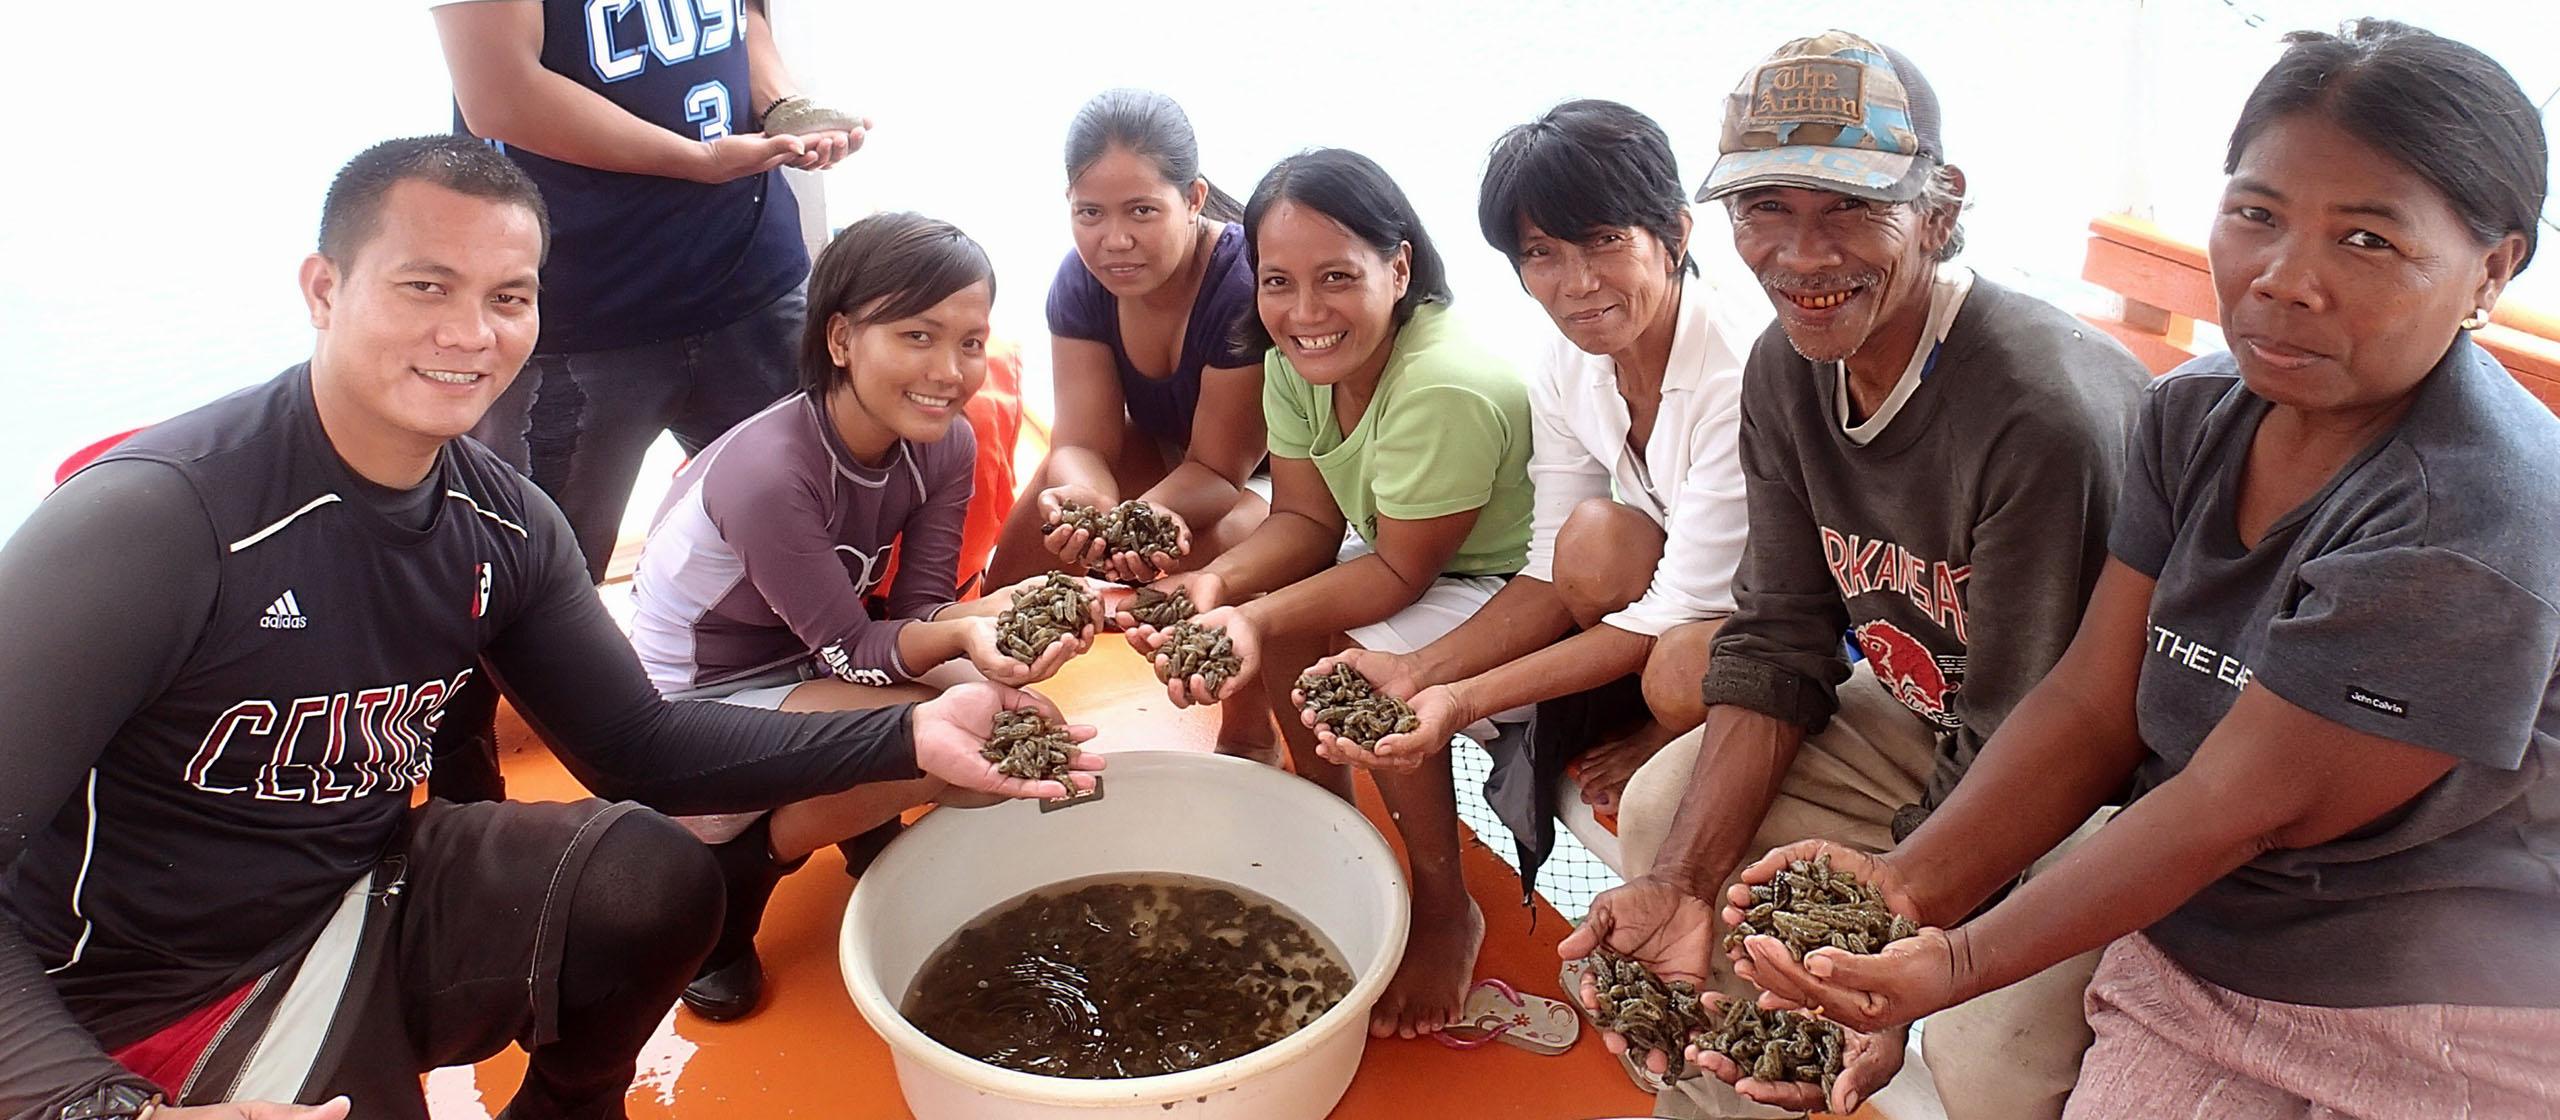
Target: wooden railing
[(2167, 288)]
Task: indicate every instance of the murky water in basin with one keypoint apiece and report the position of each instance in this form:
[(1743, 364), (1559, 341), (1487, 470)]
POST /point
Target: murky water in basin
[(1126, 976)]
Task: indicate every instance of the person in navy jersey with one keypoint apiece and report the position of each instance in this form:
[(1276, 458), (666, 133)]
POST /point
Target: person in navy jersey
[(1158, 396), (228, 646), (672, 295)]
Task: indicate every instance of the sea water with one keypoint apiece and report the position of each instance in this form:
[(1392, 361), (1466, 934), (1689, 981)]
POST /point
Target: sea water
[(1126, 976)]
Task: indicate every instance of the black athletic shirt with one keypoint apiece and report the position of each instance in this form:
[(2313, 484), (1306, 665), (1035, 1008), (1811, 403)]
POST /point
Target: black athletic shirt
[(221, 663)]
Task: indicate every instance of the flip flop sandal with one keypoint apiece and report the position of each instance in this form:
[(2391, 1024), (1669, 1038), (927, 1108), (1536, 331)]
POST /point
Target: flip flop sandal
[(1608, 818), (1497, 1012), (1569, 981), (1570, 978), (1644, 1079)]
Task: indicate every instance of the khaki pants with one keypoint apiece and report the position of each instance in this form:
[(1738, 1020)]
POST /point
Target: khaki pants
[(2008, 1055)]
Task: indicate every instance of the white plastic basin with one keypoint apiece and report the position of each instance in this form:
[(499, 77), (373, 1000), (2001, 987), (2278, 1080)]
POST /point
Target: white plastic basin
[(1166, 811)]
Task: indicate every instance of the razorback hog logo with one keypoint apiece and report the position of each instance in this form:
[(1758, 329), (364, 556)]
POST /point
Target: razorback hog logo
[(1908, 670)]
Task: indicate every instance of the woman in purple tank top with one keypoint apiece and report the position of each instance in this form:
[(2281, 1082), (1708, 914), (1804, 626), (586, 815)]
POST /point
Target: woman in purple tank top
[(1158, 395)]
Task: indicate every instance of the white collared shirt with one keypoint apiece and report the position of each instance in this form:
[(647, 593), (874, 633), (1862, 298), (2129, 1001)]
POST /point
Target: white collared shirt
[(1689, 479), (1948, 286)]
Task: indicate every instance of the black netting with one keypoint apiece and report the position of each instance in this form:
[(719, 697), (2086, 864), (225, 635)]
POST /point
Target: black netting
[(1569, 879)]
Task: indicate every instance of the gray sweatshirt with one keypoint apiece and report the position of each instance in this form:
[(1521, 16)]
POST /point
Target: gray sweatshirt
[(1956, 549)]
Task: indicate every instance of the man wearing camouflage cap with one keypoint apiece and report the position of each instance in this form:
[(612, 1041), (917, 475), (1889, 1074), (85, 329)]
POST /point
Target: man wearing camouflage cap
[(1930, 463)]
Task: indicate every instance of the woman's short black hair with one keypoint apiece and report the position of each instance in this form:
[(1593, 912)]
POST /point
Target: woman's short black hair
[(1352, 189), (2441, 108), (1152, 126), (1584, 166), (884, 268)]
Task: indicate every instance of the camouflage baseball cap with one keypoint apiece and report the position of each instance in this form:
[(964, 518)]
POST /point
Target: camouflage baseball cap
[(1835, 112)]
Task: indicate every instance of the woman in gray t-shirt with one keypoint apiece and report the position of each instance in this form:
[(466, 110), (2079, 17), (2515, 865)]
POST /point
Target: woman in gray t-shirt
[(2322, 659)]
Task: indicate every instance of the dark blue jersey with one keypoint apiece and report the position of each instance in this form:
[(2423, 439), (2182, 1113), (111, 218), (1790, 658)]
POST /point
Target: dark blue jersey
[(640, 258)]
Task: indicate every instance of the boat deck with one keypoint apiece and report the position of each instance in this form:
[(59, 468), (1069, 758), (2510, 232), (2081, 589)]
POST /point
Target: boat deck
[(806, 1053)]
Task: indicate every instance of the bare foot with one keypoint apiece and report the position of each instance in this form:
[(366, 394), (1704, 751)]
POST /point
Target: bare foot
[(1439, 965), (1245, 730), (1268, 754), (1603, 770)]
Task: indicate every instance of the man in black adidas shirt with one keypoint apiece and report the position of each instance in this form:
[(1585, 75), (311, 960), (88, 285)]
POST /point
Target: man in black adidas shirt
[(224, 650)]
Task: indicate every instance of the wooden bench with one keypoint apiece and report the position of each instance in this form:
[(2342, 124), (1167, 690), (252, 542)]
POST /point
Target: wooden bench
[(2167, 288)]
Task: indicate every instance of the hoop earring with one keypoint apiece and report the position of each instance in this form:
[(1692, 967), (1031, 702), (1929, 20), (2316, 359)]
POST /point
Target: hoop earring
[(2479, 318)]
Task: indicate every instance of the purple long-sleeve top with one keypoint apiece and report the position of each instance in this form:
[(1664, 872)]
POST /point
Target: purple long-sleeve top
[(773, 536)]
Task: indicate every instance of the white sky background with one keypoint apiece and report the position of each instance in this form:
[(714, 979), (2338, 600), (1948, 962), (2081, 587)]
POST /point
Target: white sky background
[(169, 168)]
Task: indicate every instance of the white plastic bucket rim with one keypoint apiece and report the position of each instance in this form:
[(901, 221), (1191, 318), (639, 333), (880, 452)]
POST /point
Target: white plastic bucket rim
[(1287, 793)]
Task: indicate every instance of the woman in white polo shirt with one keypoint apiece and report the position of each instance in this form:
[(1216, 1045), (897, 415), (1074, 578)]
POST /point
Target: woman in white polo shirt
[(1639, 518)]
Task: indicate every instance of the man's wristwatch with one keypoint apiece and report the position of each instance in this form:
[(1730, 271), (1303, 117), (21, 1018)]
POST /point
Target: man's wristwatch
[(114, 1102)]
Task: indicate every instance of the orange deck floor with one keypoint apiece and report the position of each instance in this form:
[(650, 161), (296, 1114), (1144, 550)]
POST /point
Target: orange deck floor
[(806, 1053)]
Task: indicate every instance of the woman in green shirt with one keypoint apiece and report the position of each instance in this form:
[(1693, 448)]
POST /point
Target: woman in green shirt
[(1383, 417)]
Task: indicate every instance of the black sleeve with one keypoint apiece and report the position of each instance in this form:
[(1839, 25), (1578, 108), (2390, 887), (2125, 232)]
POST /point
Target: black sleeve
[(1779, 653), (103, 592), (572, 675)]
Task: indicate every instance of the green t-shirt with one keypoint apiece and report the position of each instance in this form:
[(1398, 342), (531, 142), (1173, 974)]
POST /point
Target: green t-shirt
[(1448, 432)]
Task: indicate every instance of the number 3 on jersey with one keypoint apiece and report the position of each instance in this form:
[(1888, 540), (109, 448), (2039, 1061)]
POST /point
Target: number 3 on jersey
[(707, 105), (674, 32)]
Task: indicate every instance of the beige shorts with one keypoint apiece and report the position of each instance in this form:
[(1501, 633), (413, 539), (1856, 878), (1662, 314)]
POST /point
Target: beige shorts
[(2012, 1054), (1444, 606)]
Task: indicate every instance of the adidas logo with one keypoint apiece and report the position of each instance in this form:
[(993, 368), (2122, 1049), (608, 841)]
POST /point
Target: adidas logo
[(283, 614)]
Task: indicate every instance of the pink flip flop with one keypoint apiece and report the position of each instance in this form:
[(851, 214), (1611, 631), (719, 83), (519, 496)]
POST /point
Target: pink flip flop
[(1497, 1012)]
